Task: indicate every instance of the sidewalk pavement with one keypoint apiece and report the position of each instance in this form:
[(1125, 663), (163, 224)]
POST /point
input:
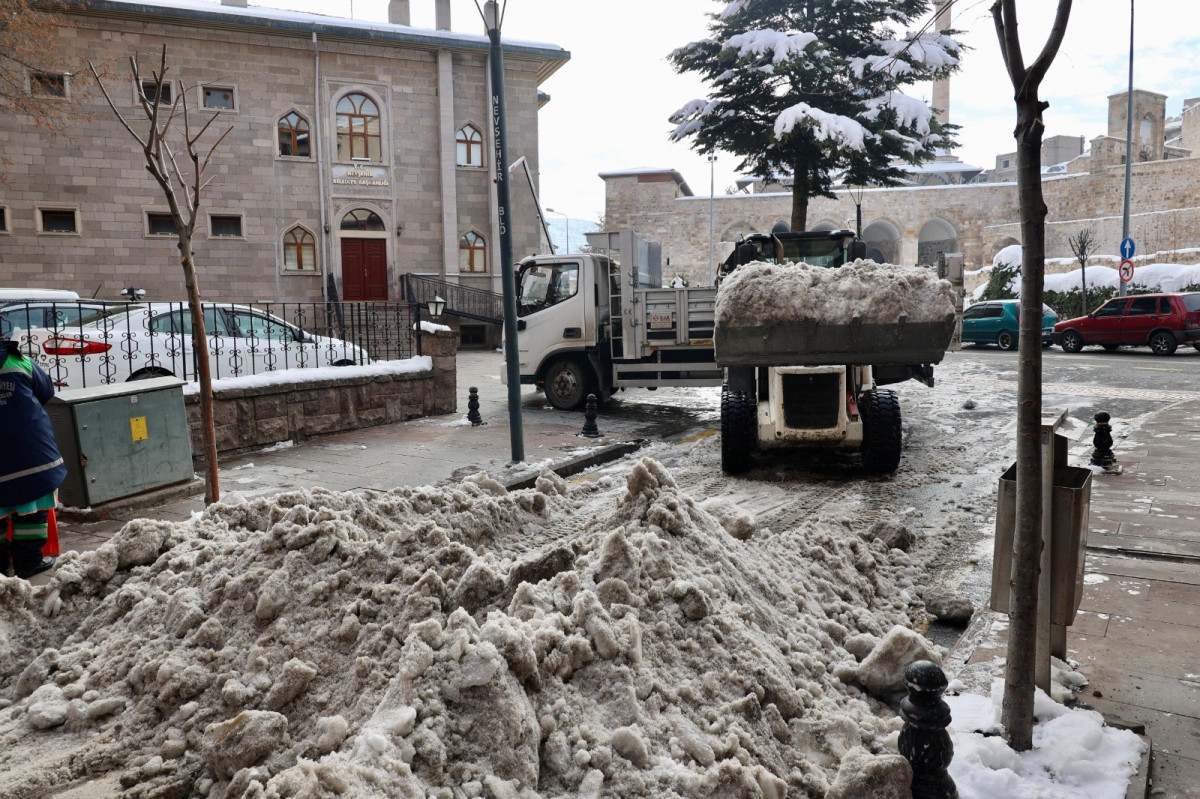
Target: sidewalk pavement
[(1137, 634)]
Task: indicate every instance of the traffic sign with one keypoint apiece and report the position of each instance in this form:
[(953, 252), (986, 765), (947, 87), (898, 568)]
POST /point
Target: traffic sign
[(1126, 269), (1127, 248)]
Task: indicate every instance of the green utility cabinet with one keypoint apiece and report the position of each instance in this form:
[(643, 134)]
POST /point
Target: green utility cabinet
[(121, 440)]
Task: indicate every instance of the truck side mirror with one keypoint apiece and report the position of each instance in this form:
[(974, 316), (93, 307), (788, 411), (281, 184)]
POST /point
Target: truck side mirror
[(858, 250)]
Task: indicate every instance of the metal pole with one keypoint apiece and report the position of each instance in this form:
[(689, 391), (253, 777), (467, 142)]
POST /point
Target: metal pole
[(712, 184), (1128, 144), (858, 219), (492, 21)]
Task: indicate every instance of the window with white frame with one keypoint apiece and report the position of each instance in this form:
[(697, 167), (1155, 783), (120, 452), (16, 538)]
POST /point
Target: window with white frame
[(160, 223), (151, 91), (58, 220), (219, 98), (472, 253), (225, 226), (299, 250), (47, 84), (470, 146)]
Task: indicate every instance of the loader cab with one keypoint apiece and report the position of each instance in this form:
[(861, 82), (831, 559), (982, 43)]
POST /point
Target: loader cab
[(825, 248)]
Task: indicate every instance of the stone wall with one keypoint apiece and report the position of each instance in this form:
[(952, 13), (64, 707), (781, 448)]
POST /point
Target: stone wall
[(984, 217), (258, 417)]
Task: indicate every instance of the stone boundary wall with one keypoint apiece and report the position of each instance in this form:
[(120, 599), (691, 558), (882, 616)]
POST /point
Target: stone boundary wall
[(258, 417), (986, 217)]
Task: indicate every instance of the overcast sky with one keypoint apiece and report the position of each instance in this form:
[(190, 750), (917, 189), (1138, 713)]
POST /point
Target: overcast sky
[(611, 101)]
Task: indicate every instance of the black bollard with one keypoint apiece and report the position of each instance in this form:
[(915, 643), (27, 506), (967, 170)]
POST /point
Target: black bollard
[(473, 408), (924, 741), (1103, 455), (590, 430)]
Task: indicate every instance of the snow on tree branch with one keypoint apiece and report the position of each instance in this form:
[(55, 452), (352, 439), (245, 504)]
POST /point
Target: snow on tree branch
[(731, 9), (822, 125), (782, 46), (910, 112)]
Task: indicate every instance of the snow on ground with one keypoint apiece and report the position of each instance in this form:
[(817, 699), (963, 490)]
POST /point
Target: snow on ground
[(633, 634), (874, 293), (419, 363)]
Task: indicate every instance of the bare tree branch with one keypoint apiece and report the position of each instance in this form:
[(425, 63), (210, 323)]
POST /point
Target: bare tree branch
[(1057, 32)]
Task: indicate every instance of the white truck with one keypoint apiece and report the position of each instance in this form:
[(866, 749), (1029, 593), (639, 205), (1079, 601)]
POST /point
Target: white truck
[(599, 321)]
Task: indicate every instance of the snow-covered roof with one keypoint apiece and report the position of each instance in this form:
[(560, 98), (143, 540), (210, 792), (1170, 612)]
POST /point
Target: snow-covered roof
[(297, 22), (940, 166)]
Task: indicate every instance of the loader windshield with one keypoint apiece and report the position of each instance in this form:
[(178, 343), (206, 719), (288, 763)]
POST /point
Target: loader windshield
[(540, 286), (817, 252)]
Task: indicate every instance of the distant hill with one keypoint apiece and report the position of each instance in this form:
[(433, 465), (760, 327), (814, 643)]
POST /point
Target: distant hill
[(558, 232)]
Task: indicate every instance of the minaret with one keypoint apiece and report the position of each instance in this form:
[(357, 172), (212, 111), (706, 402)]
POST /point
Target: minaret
[(941, 86)]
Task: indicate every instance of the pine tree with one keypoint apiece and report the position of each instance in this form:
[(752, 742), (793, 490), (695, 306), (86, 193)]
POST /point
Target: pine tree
[(811, 89)]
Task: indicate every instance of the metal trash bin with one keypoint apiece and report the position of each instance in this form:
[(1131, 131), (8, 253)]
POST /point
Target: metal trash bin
[(1072, 496), (122, 439)]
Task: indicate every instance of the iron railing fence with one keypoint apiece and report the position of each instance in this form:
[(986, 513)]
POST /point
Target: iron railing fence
[(464, 301), (89, 343)]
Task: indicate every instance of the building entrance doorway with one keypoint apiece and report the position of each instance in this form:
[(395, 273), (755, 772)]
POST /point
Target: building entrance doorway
[(364, 269)]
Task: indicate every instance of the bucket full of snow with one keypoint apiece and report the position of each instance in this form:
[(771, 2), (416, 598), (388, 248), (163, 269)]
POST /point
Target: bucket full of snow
[(860, 313)]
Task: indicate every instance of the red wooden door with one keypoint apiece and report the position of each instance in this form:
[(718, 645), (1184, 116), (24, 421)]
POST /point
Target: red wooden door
[(364, 269)]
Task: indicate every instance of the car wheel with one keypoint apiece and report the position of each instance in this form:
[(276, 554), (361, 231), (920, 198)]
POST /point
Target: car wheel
[(738, 434), (149, 374), (1196, 346), (566, 384), (1163, 343), (883, 437), (1072, 341), (1006, 340)]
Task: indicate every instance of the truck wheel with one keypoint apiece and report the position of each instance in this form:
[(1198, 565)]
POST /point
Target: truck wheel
[(566, 384), (739, 434), (1071, 341), (1006, 340), (882, 434)]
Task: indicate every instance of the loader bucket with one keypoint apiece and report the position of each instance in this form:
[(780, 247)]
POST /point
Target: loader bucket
[(811, 343)]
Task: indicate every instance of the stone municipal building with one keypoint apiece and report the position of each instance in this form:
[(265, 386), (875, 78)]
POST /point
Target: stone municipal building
[(359, 152)]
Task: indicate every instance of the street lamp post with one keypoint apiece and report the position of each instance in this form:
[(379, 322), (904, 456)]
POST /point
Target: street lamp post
[(492, 20), (567, 220), (712, 184), (856, 194), (1128, 145)]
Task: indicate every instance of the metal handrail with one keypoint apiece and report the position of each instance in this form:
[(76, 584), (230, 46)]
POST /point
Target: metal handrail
[(465, 301)]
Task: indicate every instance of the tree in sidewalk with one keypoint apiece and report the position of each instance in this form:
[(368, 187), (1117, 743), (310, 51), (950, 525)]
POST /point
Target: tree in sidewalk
[(162, 141), (812, 90), (1020, 670), (1083, 244), (33, 77)]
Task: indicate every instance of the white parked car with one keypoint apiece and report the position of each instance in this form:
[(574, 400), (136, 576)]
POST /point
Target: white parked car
[(134, 342)]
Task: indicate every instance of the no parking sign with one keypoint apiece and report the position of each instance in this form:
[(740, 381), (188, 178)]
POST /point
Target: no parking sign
[(1126, 271)]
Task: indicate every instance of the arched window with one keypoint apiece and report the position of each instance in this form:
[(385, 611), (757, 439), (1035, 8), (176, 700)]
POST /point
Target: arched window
[(472, 253), (358, 129), (299, 250), (362, 219), (293, 135), (470, 146)]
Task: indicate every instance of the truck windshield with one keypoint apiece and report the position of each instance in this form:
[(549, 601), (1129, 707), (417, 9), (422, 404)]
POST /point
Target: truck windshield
[(540, 286), (817, 252)]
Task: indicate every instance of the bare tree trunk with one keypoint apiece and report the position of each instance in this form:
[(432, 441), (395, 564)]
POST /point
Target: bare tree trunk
[(212, 486), (1019, 673)]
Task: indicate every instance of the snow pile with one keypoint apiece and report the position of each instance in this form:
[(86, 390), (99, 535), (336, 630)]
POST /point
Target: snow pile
[(1074, 755), (421, 640), (769, 294)]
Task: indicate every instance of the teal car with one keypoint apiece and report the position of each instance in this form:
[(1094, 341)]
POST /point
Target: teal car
[(996, 322)]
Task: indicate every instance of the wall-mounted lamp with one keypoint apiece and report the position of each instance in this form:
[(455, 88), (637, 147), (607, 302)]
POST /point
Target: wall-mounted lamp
[(399, 228), (326, 228)]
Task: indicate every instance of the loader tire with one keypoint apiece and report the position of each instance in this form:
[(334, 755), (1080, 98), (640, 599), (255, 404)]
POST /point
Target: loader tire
[(739, 436), (882, 434)]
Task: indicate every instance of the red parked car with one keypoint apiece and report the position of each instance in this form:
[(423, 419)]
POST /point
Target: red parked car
[(1159, 321)]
